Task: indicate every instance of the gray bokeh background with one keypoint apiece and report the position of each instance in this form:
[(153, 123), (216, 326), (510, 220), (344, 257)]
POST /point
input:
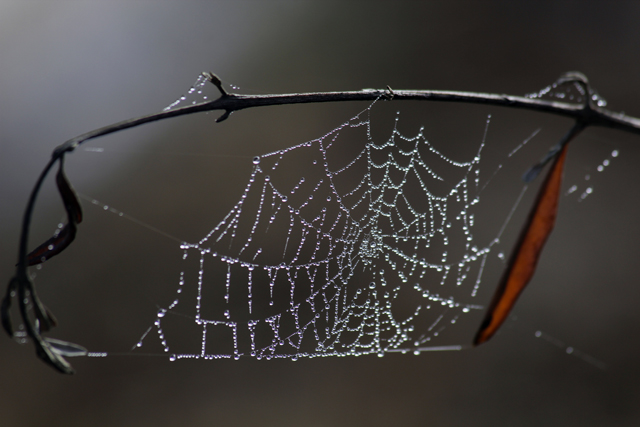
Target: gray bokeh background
[(67, 67)]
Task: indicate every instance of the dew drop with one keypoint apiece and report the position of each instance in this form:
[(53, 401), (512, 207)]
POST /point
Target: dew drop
[(256, 160)]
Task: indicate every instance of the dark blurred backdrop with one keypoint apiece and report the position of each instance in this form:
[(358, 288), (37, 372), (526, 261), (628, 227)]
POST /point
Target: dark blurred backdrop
[(67, 67)]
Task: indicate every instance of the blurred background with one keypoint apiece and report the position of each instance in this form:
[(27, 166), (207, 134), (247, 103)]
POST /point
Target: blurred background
[(67, 67)]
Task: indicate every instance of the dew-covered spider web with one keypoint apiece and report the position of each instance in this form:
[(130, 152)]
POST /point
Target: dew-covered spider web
[(332, 255), (365, 240)]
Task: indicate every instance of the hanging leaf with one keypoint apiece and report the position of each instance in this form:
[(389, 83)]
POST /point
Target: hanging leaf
[(65, 348), (61, 240), (524, 258)]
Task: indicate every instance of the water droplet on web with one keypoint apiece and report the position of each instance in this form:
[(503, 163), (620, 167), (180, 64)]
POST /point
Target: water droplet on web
[(172, 358), (614, 153), (256, 160)]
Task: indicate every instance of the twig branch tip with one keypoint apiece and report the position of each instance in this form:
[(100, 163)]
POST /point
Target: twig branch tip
[(389, 96), (216, 82), (224, 117)]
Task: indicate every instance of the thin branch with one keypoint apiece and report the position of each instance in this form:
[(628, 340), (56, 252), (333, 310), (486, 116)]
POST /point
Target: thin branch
[(594, 116), (587, 114)]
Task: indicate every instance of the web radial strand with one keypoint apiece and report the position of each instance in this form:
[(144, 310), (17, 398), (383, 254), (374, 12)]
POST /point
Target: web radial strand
[(333, 254)]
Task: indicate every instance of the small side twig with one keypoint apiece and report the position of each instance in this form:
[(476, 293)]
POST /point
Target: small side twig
[(216, 82), (389, 95)]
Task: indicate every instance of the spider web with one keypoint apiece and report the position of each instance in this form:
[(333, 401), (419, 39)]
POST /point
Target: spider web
[(333, 255)]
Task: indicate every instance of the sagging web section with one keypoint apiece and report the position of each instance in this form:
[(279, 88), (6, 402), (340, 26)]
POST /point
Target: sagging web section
[(333, 255)]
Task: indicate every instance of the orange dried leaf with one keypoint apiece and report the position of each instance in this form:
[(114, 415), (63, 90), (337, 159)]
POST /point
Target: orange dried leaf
[(524, 258)]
